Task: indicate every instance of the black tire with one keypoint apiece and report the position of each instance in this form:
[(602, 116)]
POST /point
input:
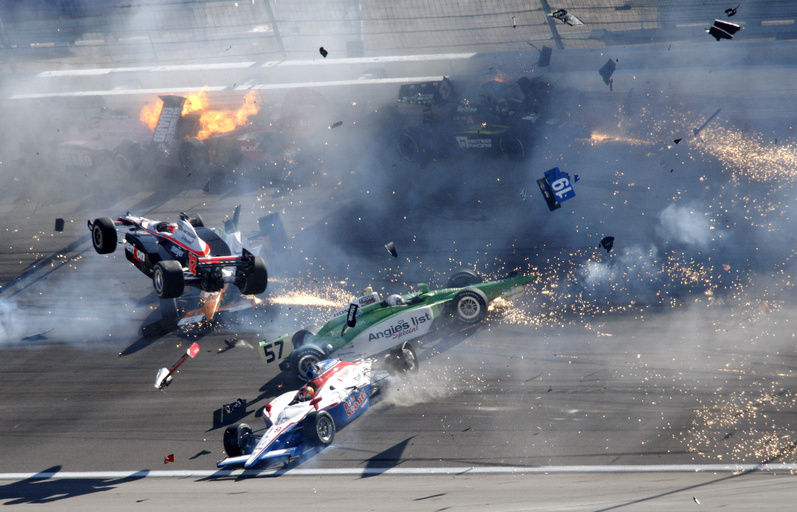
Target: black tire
[(168, 279), (319, 428), (512, 148), (254, 280), (463, 278), (127, 157), (237, 439), (470, 305), (409, 147), (402, 360), (303, 337), (303, 358), (194, 156), (196, 221), (103, 235)]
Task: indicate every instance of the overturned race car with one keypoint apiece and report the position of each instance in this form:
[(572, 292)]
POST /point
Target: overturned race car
[(370, 326), (338, 393), (179, 254)]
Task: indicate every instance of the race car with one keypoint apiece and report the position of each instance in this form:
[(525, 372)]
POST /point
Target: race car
[(336, 395), (370, 326), (495, 119), (182, 253)]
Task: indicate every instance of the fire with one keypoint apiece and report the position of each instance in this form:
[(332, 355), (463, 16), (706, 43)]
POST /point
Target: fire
[(211, 121)]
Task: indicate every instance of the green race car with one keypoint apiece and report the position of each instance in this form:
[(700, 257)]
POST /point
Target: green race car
[(369, 326)]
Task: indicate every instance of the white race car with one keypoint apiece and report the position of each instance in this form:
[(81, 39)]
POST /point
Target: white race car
[(338, 393)]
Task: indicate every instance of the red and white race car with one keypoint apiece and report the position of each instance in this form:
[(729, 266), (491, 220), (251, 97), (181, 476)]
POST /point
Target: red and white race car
[(182, 253), (338, 393)]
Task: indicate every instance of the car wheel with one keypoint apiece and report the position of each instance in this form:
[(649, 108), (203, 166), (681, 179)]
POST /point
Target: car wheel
[(402, 360), (301, 338), (255, 279), (103, 235), (237, 439), (512, 148), (463, 278), (194, 156), (303, 359), (168, 279), (319, 428), (196, 221), (127, 157), (409, 147), (470, 305)]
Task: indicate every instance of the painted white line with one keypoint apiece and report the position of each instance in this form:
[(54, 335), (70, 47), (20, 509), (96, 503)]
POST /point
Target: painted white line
[(667, 468), (373, 60), (118, 92), (144, 69), (216, 88), (243, 65)]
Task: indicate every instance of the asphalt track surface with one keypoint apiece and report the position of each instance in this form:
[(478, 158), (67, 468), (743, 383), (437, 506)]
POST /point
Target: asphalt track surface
[(639, 408)]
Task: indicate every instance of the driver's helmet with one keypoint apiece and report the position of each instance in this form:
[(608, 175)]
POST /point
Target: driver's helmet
[(305, 393), (395, 300)]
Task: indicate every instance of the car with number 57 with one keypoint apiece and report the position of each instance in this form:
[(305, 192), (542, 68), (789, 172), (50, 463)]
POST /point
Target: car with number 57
[(369, 326)]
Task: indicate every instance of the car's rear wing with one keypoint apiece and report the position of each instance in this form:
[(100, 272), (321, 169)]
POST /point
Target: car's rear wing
[(435, 92), (171, 112)]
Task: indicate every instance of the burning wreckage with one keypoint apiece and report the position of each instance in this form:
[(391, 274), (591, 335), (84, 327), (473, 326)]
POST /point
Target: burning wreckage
[(370, 326), (186, 133), (497, 119)]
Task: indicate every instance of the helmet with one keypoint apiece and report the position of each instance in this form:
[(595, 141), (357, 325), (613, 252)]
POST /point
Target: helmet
[(305, 393), (395, 300)]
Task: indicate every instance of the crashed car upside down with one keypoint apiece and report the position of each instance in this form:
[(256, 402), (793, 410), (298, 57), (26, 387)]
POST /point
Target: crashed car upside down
[(373, 326), (180, 254), (338, 393)]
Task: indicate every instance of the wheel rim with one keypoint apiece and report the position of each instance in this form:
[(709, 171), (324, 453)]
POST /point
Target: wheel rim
[(97, 237), (157, 279), (324, 429), (409, 360), (469, 307), (306, 364)]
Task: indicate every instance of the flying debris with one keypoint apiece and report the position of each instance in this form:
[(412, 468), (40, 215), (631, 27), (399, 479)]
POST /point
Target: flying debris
[(607, 243), (677, 141), (566, 18), (391, 248), (323, 52), (606, 72), (39, 336), (168, 458), (698, 130), (523, 194), (731, 11), (164, 377), (335, 125), (229, 408), (545, 56), (696, 500), (514, 23), (59, 224), (556, 188), (723, 29)]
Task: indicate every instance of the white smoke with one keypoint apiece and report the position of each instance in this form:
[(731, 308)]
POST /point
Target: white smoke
[(685, 224)]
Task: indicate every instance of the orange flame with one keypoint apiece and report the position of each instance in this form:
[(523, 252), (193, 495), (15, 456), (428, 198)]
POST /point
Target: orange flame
[(211, 121)]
